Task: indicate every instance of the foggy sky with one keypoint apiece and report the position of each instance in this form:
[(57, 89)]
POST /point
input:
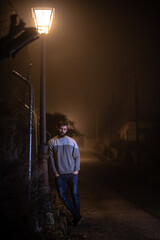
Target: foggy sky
[(92, 54)]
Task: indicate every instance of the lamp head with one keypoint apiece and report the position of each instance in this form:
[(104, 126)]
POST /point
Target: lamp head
[(43, 18)]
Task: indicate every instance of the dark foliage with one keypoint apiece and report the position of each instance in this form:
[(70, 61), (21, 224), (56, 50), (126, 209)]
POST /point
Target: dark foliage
[(53, 119), (18, 199), (16, 209)]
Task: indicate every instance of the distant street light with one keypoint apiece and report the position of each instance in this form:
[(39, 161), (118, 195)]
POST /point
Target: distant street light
[(43, 20)]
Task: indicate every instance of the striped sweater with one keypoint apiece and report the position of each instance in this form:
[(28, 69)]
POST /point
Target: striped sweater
[(64, 155)]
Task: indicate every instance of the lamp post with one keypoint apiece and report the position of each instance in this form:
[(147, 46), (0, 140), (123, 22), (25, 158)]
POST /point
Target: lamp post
[(43, 18)]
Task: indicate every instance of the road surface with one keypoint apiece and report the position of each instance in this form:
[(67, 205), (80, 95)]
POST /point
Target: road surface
[(107, 215)]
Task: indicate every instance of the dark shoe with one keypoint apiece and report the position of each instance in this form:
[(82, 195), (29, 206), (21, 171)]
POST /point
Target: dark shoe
[(76, 220)]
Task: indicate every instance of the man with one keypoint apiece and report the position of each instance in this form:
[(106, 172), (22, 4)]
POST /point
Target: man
[(65, 161)]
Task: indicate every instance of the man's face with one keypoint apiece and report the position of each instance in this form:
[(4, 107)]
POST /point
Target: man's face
[(62, 130)]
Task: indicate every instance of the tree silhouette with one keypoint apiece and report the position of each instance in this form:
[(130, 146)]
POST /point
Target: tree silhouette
[(53, 119)]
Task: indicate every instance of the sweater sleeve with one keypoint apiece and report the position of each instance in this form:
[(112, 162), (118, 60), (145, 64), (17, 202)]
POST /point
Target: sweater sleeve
[(76, 156), (50, 151)]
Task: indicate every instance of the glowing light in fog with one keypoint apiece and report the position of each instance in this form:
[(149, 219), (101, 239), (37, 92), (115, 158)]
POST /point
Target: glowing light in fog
[(43, 19)]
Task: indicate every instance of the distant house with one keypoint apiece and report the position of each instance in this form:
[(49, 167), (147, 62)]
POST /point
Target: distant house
[(146, 150), (128, 131)]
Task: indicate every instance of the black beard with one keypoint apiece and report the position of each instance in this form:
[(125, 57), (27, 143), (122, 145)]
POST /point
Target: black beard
[(61, 136)]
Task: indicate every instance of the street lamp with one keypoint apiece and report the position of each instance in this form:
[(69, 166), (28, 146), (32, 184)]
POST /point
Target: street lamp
[(43, 18)]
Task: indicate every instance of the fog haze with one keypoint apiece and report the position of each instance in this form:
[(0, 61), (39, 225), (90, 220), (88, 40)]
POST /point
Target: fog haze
[(94, 52)]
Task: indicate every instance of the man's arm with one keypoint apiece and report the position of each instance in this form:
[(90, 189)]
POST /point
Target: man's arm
[(50, 151), (76, 156)]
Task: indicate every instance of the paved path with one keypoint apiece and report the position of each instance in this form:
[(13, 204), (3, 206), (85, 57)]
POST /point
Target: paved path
[(106, 214)]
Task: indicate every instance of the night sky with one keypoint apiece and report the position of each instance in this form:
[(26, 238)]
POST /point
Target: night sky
[(94, 53)]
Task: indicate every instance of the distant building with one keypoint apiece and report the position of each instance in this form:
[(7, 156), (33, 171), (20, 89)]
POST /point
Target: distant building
[(128, 131), (144, 151)]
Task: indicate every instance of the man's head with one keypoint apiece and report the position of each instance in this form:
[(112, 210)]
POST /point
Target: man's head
[(62, 128)]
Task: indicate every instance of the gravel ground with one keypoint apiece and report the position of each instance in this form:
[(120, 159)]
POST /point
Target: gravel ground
[(107, 214)]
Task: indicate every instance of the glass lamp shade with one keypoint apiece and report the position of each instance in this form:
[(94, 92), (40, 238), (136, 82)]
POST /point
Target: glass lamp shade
[(43, 19)]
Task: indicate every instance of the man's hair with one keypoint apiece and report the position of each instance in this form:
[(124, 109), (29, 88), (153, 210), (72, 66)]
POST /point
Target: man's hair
[(62, 123)]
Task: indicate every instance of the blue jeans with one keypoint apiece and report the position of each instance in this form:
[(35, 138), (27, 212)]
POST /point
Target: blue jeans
[(71, 181)]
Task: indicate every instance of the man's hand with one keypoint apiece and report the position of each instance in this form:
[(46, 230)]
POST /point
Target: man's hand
[(57, 175), (75, 172)]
